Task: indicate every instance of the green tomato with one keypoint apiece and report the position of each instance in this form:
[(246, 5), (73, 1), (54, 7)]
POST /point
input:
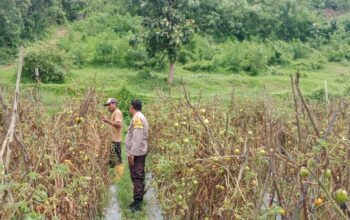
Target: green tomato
[(304, 172), (341, 196), (328, 173)]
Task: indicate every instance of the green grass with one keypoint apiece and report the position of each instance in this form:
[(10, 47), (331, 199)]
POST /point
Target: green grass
[(109, 81)]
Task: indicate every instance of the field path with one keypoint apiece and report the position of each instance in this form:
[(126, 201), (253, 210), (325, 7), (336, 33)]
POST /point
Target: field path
[(153, 208), (113, 211)]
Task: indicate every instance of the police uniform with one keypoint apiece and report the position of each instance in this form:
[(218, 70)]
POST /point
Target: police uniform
[(136, 145)]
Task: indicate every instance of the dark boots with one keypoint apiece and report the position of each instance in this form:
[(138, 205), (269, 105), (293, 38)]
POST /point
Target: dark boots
[(136, 205)]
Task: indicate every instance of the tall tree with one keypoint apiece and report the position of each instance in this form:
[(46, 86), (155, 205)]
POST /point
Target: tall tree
[(167, 28), (10, 23)]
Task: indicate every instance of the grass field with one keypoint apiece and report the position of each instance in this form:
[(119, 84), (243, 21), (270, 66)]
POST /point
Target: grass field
[(110, 80)]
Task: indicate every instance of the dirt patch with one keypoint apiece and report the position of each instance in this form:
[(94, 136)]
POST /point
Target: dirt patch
[(61, 33), (6, 66), (331, 13)]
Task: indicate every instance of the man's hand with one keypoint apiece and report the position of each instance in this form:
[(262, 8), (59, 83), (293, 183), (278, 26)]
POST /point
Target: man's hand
[(131, 160), (104, 119)]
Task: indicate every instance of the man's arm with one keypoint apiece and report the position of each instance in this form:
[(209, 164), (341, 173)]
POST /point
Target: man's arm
[(117, 123), (136, 144), (136, 139)]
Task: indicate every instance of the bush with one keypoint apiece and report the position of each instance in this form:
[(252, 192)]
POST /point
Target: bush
[(339, 53), (274, 71), (202, 48), (185, 56), (230, 58), (281, 54), (6, 54), (319, 95), (136, 57), (144, 74), (299, 49), (116, 51), (158, 62), (124, 97), (256, 59), (308, 64), (79, 55), (206, 66), (243, 56), (51, 62)]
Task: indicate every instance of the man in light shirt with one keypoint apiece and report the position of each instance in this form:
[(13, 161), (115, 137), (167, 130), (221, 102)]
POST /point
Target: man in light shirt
[(116, 123)]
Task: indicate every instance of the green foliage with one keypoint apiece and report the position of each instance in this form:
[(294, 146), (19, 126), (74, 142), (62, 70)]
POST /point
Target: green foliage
[(347, 91), (124, 97), (232, 36), (116, 51), (73, 7), (249, 57), (167, 26), (51, 62), (21, 21), (5, 55), (318, 95), (333, 4), (205, 66), (243, 19), (144, 74), (339, 52), (10, 24)]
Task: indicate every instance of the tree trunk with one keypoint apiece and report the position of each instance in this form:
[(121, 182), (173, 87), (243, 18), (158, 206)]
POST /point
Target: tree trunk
[(171, 72)]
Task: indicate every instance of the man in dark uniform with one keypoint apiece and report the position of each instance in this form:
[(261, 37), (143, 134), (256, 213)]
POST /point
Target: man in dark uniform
[(136, 149)]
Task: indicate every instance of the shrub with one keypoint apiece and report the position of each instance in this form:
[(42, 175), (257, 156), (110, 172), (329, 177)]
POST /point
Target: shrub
[(274, 71), (206, 66), (116, 51), (230, 59), (319, 95), (256, 59), (339, 53), (299, 49), (6, 54), (281, 54), (347, 92), (79, 54), (136, 57), (202, 47), (243, 56), (51, 62), (158, 62), (103, 53), (185, 56), (144, 74), (124, 97)]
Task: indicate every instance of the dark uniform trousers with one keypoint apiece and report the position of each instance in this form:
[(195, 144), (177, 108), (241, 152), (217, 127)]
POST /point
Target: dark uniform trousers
[(137, 173)]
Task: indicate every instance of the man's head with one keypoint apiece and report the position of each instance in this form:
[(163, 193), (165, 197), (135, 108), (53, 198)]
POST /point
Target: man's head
[(111, 104), (135, 106)]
